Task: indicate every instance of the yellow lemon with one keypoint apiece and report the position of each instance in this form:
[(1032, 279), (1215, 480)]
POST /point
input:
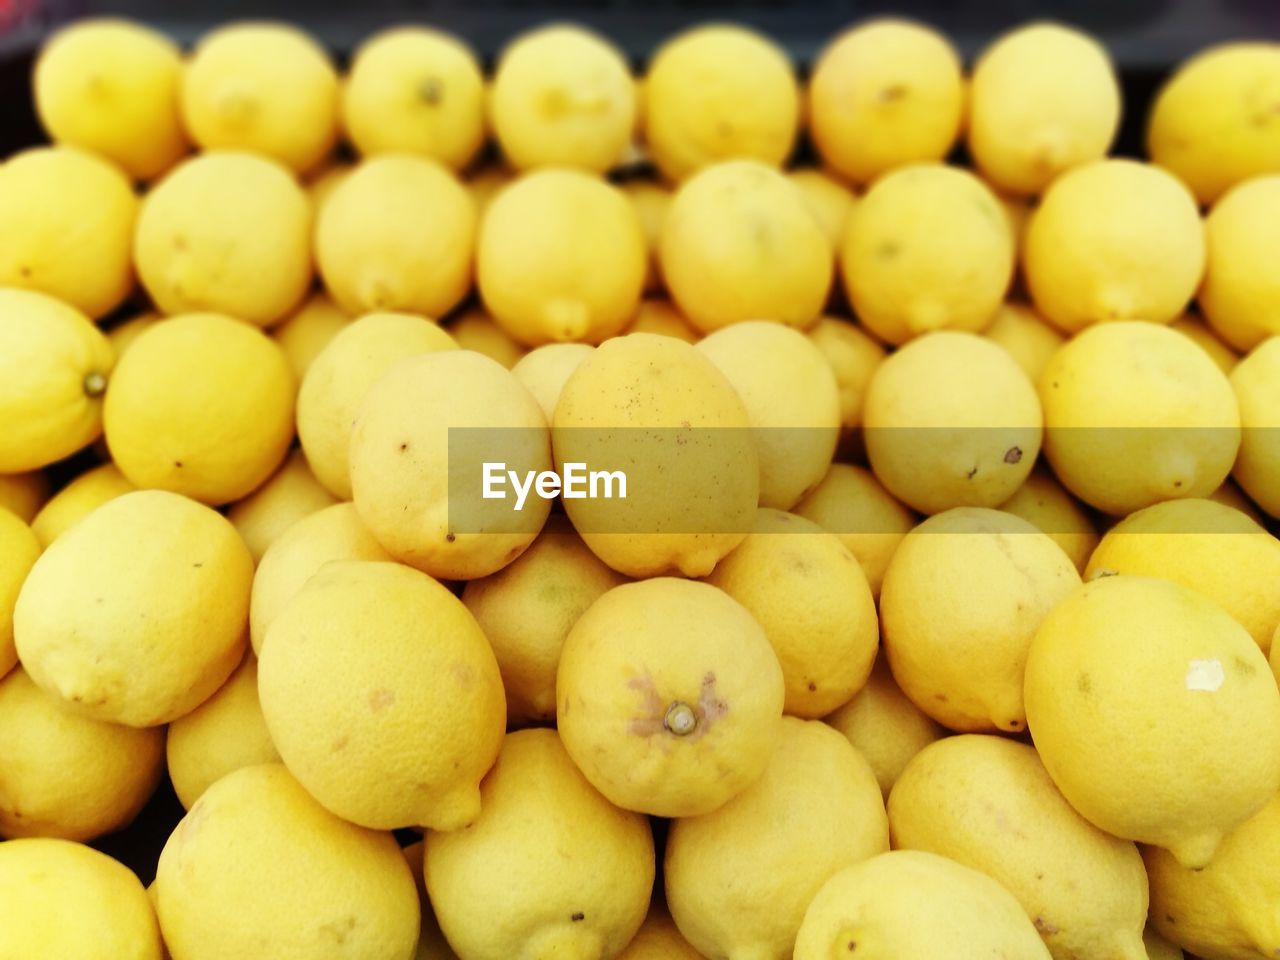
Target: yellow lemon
[(322, 182), (264, 87), (476, 330), (719, 92), (431, 942), (526, 611), (561, 256), (679, 436), (1229, 495), (23, 494), (1154, 713), (1114, 240), (77, 500), (651, 201), (66, 228), (909, 903), (415, 90), (339, 379), (659, 315), (1136, 413), (562, 96), (1209, 547), (111, 86), (989, 804), (238, 852), (1214, 122), (486, 184), (333, 533), (201, 405), (398, 234), (739, 243), (885, 726), (1256, 381), (829, 200), (382, 696), (1203, 336), (1226, 910), (1044, 99), (292, 493), (220, 736), (883, 95), (64, 899), (659, 939), (19, 550), (550, 868), (928, 248), (807, 591), (669, 697), (545, 370), (138, 613), (1025, 334), (123, 335), (1240, 296), (1043, 502), (1158, 948), (962, 600), (853, 356), (306, 331), (951, 420), (66, 775), (737, 890)]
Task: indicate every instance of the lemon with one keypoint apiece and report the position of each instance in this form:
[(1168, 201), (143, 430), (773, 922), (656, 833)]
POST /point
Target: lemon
[(669, 697), (562, 96), (23, 494), (853, 356), (1114, 240), (1044, 99), (962, 600), (739, 243), (551, 868), (19, 550), (719, 92), (64, 899), (291, 494), (382, 696), (1158, 948), (332, 533), (885, 94), (561, 256), (324, 181), (486, 184), (679, 435), (123, 335), (884, 726), (1024, 333), (527, 609), (651, 201), (1136, 413), (77, 500), (339, 379), (1229, 495), (659, 939), (415, 455), (415, 90), (220, 736), (909, 903), (659, 315), (201, 405), (851, 503), (951, 420), (398, 234), (807, 591), (1206, 546), (1046, 505), (110, 86), (66, 775), (54, 366), (66, 228), (431, 942), (137, 614), (1226, 910), (1240, 297), (264, 87), (927, 249), (476, 330), (989, 804), (1256, 381), (308, 330), (829, 200), (1203, 336), (298, 881), (1154, 713), (824, 811), (1214, 122), (545, 370)]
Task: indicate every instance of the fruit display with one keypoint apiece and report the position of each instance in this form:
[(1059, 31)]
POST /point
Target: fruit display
[(561, 506)]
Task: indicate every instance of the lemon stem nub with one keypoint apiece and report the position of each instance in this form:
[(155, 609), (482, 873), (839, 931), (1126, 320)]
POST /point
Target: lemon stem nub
[(680, 719), (95, 384)]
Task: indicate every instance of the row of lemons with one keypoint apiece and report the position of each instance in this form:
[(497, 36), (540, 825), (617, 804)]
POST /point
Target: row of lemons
[(759, 710)]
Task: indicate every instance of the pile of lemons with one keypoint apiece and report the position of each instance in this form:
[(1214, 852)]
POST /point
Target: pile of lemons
[(935, 622)]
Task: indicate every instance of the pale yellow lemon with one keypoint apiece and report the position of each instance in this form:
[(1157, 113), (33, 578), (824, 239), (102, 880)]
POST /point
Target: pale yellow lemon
[(830, 201), (1256, 382), (123, 335), (1030, 340), (1240, 295), (854, 356), (476, 330), (292, 493), (651, 200), (1044, 502), (306, 331), (431, 942), (659, 939), (323, 182), (1158, 948), (487, 183), (19, 549), (659, 315), (1204, 337), (544, 371), (79, 498)]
